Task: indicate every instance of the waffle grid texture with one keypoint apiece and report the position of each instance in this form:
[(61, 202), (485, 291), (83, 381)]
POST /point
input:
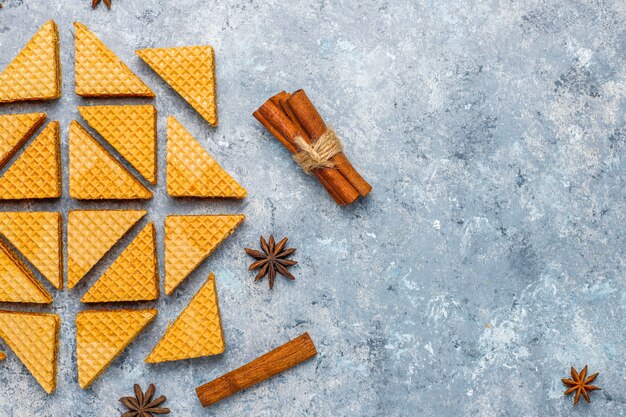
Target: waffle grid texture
[(90, 235), (37, 171), (189, 240), (190, 71), (95, 174), (15, 129), (33, 337), (17, 282), (35, 73), (133, 276), (191, 171), (37, 236), (101, 335), (100, 73), (196, 332), (131, 130)]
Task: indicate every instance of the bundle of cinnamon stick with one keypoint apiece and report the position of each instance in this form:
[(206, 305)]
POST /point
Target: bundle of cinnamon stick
[(295, 122)]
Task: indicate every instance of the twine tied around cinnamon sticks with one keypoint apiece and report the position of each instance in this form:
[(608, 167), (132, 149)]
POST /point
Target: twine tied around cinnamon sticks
[(295, 122), (318, 154)]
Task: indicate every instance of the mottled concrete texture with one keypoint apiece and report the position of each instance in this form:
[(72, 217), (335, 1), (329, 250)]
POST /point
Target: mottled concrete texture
[(487, 261)]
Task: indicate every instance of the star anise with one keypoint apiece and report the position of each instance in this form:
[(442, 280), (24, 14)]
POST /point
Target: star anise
[(580, 384), (94, 3), (143, 405), (272, 260)]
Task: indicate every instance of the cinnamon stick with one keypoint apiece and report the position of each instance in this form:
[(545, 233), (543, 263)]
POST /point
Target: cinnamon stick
[(278, 360), (314, 125), (270, 128), (274, 115), (279, 96), (289, 112)]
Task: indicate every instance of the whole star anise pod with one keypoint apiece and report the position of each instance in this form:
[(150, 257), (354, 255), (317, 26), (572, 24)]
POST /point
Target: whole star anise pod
[(94, 3), (580, 384), (143, 405), (272, 260)]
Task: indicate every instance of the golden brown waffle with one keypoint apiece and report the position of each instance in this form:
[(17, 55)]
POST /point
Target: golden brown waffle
[(131, 130), (17, 282), (191, 171), (37, 235), (35, 73), (15, 129), (90, 235), (33, 337), (102, 335), (95, 174), (196, 332), (37, 172), (189, 240), (100, 73), (190, 71), (133, 276)]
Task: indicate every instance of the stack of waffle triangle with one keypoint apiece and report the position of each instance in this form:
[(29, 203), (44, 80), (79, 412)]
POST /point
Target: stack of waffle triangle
[(15, 129), (90, 235), (95, 174), (131, 130), (133, 276), (17, 282), (36, 173), (37, 236)]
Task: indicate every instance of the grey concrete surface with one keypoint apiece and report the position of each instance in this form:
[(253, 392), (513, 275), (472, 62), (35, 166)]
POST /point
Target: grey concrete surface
[(489, 257)]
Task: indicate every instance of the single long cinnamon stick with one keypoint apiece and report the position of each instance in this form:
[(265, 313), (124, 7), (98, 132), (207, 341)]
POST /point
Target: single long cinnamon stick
[(315, 126), (278, 360), (274, 115)]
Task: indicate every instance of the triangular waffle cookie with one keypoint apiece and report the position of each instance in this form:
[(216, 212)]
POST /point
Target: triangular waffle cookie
[(190, 71), (33, 337), (191, 171), (189, 240), (15, 129), (90, 234), (37, 172), (100, 73), (101, 335), (37, 235), (133, 276), (196, 332), (17, 282), (35, 73), (95, 174), (131, 130)]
